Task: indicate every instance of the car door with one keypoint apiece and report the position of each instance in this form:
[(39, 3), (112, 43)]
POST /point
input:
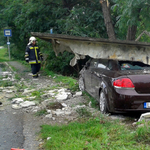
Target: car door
[(87, 76), (97, 76)]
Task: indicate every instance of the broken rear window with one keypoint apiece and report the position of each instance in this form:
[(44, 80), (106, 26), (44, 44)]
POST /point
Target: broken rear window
[(133, 65)]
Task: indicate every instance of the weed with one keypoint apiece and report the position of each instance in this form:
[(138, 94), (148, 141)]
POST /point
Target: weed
[(83, 112), (142, 133), (94, 103), (5, 83), (17, 77), (41, 112)]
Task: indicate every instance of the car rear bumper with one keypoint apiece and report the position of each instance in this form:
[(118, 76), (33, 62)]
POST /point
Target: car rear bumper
[(130, 100)]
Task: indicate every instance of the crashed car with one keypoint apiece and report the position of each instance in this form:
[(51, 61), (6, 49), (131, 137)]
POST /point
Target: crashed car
[(118, 85)]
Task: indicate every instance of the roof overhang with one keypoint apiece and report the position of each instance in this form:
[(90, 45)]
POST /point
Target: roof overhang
[(97, 47)]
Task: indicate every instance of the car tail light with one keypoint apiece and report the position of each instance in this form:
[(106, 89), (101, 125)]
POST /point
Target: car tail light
[(123, 83)]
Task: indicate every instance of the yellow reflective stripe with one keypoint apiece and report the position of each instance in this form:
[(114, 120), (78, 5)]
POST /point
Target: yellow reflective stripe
[(26, 55), (31, 48), (36, 53), (34, 75), (32, 62)]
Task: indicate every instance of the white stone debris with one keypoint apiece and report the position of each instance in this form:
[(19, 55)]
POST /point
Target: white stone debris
[(27, 91), (62, 95), (35, 109), (64, 105), (10, 87), (16, 106), (90, 103), (144, 116), (27, 104), (6, 73), (53, 118), (52, 92), (31, 98), (48, 138), (6, 79), (49, 116), (8, 91), (17, 100), (49, 111), (79, 106), (77, 94), (68, 112)]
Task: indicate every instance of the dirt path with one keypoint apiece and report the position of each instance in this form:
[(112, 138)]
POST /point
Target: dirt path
[(32, 123)]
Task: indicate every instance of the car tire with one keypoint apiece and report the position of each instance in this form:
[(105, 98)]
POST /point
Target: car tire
[(103, 103), (81, 83)]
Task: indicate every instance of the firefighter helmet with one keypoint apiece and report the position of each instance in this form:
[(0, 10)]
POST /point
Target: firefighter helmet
[(31, 39)]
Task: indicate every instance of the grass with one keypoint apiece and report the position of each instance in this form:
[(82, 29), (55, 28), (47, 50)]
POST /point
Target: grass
[(95, 134), (4, 56), (41, 112), (68, 82), (5, 83), (89, 98)]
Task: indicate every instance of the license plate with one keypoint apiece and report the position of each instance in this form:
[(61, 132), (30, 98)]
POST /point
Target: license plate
[(147, 105)]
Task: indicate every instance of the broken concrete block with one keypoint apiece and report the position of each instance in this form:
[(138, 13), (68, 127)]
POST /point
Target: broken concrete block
[(16, 106), (61, 96), (31, 98), (78, 94), (64, 105), (7, 91), (48, 116), (49, 111), (27, 104), (144, 116), (16, 100), (58, 113), (27, 91), (68, 113)]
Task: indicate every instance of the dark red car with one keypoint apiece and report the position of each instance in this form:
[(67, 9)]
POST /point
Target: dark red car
[(117, 85)]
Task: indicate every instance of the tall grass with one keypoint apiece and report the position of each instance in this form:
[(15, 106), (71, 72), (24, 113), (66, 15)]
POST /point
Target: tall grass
[(4, 56)]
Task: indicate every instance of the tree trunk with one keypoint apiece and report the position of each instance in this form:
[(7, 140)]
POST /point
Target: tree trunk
[(107, 19), (131, 33)]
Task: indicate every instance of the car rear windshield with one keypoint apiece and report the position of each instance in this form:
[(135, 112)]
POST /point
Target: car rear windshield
[(133, 65)]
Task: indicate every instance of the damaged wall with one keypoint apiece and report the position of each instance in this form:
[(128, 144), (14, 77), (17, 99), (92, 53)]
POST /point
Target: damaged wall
[(97, 48)]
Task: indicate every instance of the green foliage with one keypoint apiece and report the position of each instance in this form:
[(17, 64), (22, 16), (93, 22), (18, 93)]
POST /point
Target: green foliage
[(4, 56), (132, 12)]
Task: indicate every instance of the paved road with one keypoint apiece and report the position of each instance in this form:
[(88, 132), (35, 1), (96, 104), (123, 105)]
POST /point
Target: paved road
[(11, 125), (11, 128)]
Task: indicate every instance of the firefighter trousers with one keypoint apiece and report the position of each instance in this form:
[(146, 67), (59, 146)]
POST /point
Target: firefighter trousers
[(35, 69)]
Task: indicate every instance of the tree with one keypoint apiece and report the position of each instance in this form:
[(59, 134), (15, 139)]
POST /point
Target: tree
[(107, 19), (132, 16)]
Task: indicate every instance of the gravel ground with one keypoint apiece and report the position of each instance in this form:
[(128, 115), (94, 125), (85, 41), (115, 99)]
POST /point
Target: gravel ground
[(32, 123)]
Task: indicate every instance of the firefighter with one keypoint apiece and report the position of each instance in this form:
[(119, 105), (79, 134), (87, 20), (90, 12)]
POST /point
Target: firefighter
[(33, 56)]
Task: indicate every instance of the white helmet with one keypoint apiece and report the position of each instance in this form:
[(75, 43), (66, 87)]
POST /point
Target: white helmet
[(32, 38)]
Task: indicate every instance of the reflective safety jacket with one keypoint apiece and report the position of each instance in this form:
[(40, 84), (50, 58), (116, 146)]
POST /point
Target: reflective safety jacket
[(33, 54)]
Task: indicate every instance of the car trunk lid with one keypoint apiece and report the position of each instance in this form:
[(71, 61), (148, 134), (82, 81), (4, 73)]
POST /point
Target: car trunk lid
[(141, 82)]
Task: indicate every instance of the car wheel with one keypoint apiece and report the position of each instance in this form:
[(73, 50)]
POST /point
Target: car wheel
[(103, 103), (81, 83)]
